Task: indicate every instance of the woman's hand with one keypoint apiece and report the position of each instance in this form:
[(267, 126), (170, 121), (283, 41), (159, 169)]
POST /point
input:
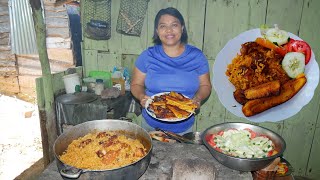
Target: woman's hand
[(137, 86), (204, 89), (197, 102), (143, 100)]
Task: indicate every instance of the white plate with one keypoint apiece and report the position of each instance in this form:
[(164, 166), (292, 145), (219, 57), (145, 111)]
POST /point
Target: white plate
[(225, 89), (149, 101)]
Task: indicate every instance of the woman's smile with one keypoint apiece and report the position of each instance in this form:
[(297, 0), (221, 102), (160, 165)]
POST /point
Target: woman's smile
[(170, 36), (169, 30)]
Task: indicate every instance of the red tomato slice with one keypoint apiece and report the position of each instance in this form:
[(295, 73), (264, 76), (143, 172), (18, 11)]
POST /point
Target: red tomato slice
[(220, 133), (270, 153), (299, 46), (286, 169), (209, 137), (210, 140), (288, 45), (253, 134), (218, 149), (264, 136), (211, 143)]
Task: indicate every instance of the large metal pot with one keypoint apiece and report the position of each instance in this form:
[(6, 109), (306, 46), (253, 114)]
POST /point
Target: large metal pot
[(131, 171), (244, 164)]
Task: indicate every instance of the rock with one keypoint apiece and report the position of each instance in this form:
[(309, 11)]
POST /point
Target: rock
[(28, 114), (185, 169), (110, 93)]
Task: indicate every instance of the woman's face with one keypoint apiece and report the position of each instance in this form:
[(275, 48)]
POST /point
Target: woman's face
[(169, 30)]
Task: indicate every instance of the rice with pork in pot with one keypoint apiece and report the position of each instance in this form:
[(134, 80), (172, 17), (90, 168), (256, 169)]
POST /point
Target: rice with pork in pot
[(254, 66), (103, 150)]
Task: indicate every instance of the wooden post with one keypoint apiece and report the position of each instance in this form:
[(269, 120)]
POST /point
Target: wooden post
[(47, 112)]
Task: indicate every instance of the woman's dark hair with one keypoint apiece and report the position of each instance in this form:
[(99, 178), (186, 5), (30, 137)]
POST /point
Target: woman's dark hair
[(172, 12)]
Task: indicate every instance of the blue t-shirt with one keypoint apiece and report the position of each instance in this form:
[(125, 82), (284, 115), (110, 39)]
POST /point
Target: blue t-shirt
[(164, 74)]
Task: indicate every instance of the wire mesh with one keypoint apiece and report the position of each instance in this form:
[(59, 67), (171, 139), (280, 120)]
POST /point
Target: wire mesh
[(131, 16), (97, 19)]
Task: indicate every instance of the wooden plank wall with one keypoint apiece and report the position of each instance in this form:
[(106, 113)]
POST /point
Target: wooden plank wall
[(59, 49), (18, 72), (8, 71), (210, 24)]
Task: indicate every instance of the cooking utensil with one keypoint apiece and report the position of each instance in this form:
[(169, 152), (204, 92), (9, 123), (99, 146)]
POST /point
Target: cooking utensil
[(244, 164), (176, 137), (131, 171), (195, 137), (160, 136)]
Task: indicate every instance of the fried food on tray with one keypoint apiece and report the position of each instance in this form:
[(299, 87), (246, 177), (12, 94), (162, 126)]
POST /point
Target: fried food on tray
[(178, 96), (159, 103), (172, 105), (185, 104), (287, 91), (179, 113), (263, 90), (162, 112)]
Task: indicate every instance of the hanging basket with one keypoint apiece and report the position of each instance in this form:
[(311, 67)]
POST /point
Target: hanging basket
[(97, 19), (131, 16)]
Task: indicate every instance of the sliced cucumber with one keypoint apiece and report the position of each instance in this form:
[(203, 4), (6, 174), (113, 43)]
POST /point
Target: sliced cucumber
[(293, 63), (263, 29), (277, 36)]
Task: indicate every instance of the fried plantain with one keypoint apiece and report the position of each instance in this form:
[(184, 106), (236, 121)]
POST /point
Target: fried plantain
[(177, 95), (287, 91), (179, 113), (263, 90), (186, 105), (159, 103), (163, 112), (239, 96)]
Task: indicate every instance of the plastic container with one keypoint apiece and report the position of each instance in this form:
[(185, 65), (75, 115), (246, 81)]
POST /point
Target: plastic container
[(91, 87), (105, 76), (88, 80), (119, 83), (99, 87), (70, 82)]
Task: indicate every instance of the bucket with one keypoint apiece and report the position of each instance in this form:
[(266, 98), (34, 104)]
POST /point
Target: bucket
[(70, 82)]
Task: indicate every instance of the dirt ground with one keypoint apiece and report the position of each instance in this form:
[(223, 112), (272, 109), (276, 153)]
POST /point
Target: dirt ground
[(20, 138)]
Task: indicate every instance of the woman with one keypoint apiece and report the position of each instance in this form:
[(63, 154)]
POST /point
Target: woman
[(170, 65)]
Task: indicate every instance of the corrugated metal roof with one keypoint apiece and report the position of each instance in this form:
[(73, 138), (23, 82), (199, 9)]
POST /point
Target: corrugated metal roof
[(23, 39)]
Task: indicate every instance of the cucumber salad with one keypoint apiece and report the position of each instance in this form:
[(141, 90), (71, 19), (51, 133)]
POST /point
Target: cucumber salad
[(296, 53), (242, 143)]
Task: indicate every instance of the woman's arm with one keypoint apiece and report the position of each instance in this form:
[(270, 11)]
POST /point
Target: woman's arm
[(137, 86), (204, 89)]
